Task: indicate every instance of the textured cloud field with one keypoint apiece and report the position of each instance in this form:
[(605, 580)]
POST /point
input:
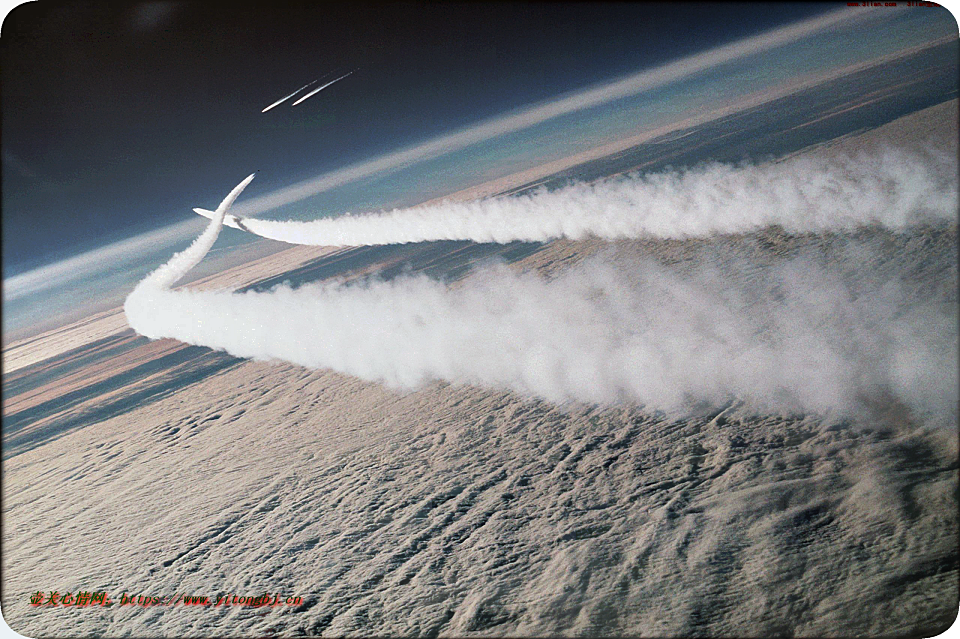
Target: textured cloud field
[(462, 507), (459, 510)]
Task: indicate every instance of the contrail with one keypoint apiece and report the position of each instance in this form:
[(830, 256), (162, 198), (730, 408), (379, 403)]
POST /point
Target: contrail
[(317, 90), (178, 266), (798, 333), (891, 188), (282, 100)]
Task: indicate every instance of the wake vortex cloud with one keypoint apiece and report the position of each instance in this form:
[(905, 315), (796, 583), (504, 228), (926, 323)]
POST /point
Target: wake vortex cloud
[(801, 334)]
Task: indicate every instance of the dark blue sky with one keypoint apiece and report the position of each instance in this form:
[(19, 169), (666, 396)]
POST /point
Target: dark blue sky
[(117, 117)]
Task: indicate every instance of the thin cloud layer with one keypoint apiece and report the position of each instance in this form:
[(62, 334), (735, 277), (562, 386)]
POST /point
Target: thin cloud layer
[(590, 97)]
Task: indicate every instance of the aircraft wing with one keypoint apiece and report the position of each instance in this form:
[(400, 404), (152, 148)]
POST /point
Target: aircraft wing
[(228, 220)]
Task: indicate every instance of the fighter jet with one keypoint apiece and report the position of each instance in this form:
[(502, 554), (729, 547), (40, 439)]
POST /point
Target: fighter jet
[(284, 99), (319, 89), (229, 219)]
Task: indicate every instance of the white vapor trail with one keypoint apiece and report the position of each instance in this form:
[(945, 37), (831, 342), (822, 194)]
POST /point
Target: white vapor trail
[(284, 99), (805, 334), (181, 263), (890, 188), (319, 89), (595, 334)]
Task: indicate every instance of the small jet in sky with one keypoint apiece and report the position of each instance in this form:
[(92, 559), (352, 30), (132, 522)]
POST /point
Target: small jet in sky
[(314, 92), (228, 220), (318, 90), (284, 99)]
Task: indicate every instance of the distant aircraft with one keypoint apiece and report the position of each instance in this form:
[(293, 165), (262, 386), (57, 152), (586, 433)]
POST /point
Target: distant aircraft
[(314, 92), (282, 100), (319, 89)]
